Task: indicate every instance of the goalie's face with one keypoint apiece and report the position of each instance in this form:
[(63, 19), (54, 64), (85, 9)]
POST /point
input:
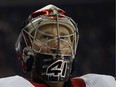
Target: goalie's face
[(50, 39)]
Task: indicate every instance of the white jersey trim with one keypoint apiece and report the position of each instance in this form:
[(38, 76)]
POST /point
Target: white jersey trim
[(97, 80), (14, 81)]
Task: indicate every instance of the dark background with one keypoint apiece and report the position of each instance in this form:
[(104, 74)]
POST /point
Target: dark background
[(96, 23)]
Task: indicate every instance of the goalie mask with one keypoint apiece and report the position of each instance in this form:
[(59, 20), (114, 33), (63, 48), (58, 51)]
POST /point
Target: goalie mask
[(48, 43)]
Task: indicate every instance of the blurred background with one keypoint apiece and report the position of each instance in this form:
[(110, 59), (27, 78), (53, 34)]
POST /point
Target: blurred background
[(96, 23)]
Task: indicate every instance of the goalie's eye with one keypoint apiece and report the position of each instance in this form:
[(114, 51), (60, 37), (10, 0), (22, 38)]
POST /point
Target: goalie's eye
[(46, 37), (64, 38), (43, 38)]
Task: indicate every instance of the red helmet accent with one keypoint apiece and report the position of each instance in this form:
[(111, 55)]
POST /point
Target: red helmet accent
[(45, 12)]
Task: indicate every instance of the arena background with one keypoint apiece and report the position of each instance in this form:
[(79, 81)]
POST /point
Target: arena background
[(96, 23)]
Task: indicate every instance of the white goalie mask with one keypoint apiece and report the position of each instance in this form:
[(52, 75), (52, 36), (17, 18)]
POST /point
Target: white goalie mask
[(48, 42)]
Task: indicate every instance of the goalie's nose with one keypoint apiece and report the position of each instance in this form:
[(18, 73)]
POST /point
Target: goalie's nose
[(59, 47)]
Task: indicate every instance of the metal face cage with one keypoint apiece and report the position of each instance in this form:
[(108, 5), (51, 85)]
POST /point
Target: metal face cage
[(51, 34)]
